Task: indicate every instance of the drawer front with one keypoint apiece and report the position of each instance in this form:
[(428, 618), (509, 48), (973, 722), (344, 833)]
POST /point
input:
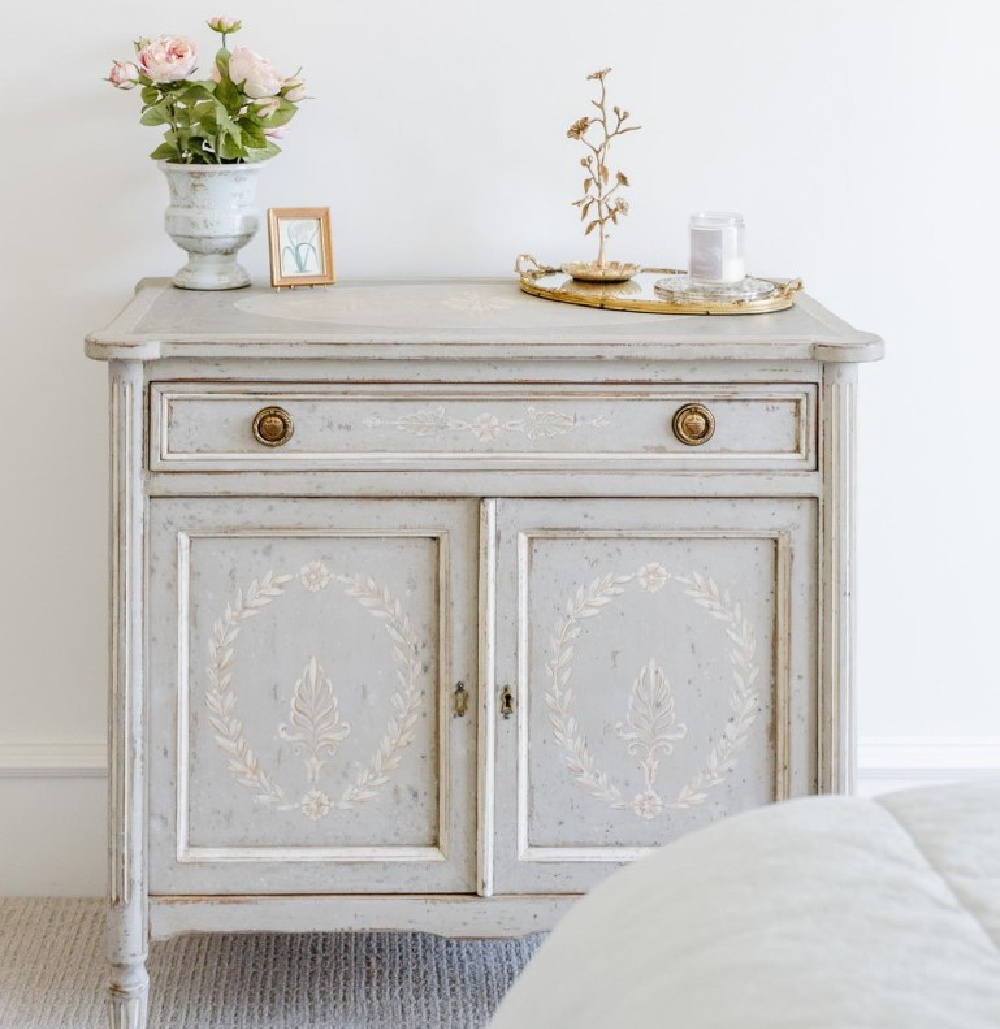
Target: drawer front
[(206, 427)]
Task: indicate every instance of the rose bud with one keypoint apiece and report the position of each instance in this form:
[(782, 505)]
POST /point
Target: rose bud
[(123, 75), (223, 25)]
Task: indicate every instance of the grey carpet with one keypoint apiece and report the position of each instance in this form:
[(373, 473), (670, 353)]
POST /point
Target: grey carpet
[(52, 976)]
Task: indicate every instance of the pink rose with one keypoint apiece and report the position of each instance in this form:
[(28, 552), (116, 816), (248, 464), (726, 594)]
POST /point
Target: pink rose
[(295, 90), (276, 133), (123, 75), (256, 74), (168, 59)]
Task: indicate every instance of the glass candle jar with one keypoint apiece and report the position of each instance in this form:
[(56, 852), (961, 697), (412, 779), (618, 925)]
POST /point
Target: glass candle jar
[(717, 247)]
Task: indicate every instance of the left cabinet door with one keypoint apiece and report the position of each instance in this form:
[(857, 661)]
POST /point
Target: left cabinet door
[(302, 729)]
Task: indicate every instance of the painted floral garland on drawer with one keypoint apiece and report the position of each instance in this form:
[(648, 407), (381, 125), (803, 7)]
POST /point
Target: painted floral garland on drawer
[(315, 727), (651, 727), (486, 427)]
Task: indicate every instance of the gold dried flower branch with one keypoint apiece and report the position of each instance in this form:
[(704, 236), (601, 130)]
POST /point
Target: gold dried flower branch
[(597, 197)]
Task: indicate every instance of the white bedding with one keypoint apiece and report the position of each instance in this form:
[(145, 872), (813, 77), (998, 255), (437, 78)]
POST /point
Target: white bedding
[(825, 913)]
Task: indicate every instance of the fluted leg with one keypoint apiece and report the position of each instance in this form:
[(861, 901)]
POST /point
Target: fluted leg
[(127, 894), (837, 751), (128, 997)]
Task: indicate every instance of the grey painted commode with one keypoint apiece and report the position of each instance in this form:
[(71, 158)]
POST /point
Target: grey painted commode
[(434, 603)]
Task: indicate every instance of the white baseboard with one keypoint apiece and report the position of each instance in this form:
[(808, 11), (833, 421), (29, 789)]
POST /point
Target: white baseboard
[(53, 793), (888, 763), (913, 759), (956, 757), (54, 760)]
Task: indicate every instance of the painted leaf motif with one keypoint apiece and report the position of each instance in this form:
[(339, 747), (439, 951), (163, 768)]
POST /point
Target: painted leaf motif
[(652, 721), (544, 424), (315, 718), (423, 424)]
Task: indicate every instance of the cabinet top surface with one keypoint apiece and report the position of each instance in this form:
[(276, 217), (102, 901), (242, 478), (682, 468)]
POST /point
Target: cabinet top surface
[(453, 318)]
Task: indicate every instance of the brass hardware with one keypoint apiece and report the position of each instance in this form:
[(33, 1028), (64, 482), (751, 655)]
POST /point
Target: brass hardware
[(461, 700), (693, 424), (273, 426), (506, 702), (554, 283)]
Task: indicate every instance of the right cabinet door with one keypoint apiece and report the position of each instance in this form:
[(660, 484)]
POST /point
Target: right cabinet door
[(651, 668)]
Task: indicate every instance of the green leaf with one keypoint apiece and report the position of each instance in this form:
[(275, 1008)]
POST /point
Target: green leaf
[(282, 116), (231, 150), (153, 116), (252, 135), (150, 95), (196, 91), (165, 152), (203, 115), (258, 154), (197, 143), (226, 124), (228, 94)]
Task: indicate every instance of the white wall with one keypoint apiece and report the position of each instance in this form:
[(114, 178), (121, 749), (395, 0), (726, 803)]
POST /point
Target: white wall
[(859, 138)]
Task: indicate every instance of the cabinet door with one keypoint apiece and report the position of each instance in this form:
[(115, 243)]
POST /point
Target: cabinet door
[(660, 662), (304, 656)]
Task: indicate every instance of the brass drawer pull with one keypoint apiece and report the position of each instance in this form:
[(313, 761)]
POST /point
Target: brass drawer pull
[(693, 424), (273, 426)]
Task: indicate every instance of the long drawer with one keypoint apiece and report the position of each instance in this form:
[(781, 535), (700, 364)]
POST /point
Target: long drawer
[(197, 426)]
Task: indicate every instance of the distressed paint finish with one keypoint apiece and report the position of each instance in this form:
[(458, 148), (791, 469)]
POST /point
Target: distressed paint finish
[(127, 928), (359, 783), (212, 215), (474, 320), (482, 487), (837, 719), (200, 427), (660, 655)]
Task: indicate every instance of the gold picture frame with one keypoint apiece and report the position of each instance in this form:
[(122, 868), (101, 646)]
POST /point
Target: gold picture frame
[(301, 246)]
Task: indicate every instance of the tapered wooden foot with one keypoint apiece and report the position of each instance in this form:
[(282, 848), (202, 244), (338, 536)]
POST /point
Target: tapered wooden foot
[(128, 997)]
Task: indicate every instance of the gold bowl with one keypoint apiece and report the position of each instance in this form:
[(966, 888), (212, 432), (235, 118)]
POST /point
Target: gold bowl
[(610, 271)]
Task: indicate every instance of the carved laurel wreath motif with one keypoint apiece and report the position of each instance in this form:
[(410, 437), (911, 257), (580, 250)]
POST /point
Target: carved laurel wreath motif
[(651, 727), (315, 727), (435, 422)]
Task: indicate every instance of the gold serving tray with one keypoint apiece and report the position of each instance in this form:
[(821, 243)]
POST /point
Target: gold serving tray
[(638, 294)]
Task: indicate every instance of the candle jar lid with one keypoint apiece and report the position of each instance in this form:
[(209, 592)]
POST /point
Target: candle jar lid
[(716, 220)]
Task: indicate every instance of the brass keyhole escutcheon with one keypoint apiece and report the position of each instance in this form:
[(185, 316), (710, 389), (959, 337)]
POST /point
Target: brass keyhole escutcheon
[(693, 424), (273, 426), (461, 700), (506, 702)]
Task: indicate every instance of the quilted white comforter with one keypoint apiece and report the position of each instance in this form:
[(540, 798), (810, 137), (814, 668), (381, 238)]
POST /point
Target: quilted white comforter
[(826, 913)]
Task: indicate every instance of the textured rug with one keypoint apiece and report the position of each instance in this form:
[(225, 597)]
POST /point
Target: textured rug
[(52, 976)]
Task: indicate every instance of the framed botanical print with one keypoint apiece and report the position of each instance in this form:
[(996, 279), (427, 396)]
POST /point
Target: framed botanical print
[(301, 247)]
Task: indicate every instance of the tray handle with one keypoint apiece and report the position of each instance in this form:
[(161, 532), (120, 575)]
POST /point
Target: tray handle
[(536, 268)]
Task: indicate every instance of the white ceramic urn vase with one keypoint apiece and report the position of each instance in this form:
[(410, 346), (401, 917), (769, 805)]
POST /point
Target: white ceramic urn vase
[(212, 214)]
